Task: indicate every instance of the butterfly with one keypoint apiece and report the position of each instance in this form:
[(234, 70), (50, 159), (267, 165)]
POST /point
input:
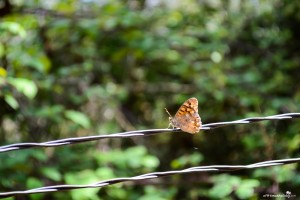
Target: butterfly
[(187, 117)]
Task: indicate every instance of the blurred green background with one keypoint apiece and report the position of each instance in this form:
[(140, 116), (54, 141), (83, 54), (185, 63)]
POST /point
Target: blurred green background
[(77, 68)]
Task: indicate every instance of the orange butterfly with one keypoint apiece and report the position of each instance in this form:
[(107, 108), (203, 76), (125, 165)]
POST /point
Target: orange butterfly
[(187, 117)]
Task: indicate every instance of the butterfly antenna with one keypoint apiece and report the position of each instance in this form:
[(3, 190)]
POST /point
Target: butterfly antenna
[(168, 112)]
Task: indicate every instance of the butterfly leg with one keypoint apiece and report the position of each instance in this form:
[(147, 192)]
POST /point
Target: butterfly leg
[(169, 125)]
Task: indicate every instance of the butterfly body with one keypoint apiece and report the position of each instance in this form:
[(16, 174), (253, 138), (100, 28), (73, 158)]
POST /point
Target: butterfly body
[(187, 117)]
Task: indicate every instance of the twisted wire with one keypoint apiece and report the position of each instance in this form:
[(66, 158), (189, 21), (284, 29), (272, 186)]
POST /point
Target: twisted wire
[(152, 175), (148, 132)]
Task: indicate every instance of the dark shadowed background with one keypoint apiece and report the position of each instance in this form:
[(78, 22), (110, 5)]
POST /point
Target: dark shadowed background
[(77, 68)]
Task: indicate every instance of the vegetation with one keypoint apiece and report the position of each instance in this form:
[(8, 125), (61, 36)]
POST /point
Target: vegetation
[(77, 68)]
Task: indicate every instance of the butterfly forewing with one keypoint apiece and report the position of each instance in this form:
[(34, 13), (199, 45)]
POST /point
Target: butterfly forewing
[(187, 117)]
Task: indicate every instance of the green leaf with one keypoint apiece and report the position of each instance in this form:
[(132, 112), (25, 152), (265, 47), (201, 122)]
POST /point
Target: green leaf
[(192, 159), (2, 51), (246, 189), (105, 173), (14, 28), (52, 173), (150, 161), (33, 183), (78, 118), (224, 185), (50, 111), (137, 153), (83, 177), (39, 155), (26, 86), (10, 100), (220, 191)]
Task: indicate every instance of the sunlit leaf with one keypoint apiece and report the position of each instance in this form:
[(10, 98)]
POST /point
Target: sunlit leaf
[(52, 173), (26, 86), (246, 189), (14, 28), (78, 118), (10, 100), (82, 177)]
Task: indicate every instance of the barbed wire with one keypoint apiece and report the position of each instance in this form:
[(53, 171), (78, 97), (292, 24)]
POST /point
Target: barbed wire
[(152, 175), (148, 132)]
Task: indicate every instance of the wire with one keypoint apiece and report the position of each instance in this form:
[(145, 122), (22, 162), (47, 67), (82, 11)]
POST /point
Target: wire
[(152, 175), (148, 132)]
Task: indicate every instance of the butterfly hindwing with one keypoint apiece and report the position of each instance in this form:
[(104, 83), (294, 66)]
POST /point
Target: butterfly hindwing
[(187, 117)]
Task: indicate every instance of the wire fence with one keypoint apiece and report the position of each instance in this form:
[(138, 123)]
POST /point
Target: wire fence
[(216, 168), (148, 132), (152, 175)]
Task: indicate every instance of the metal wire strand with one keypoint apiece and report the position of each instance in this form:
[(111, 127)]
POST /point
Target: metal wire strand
[(152, 175), (148, 132)]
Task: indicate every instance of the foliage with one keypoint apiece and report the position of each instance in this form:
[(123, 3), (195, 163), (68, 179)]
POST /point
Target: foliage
[(78, 68)]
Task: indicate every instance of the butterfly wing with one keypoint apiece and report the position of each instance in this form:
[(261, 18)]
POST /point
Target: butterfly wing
[(193, 124), (187, 117)]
